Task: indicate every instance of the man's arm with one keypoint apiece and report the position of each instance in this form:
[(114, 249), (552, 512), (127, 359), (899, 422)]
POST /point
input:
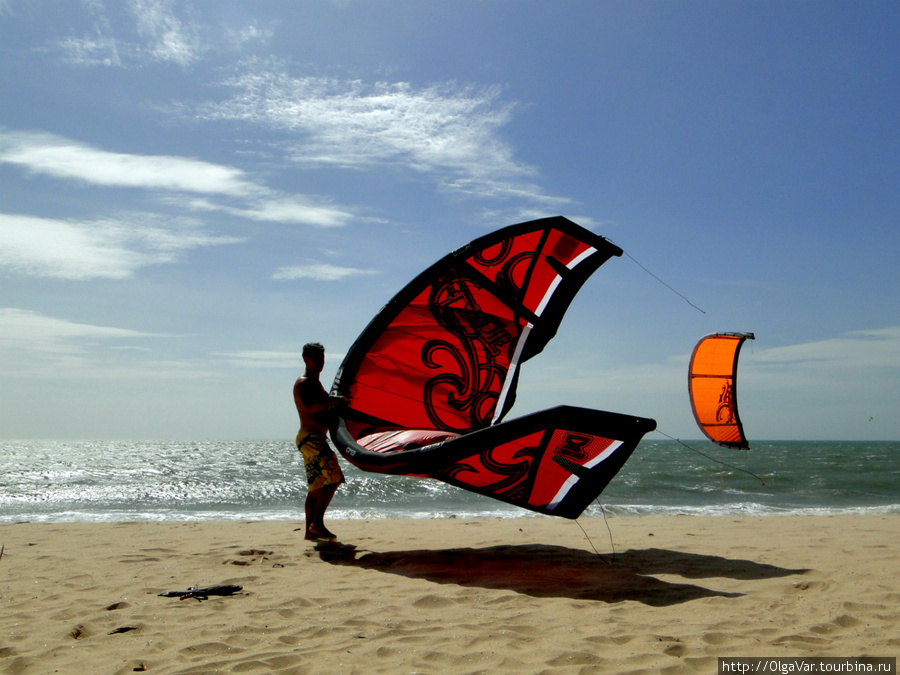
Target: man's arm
[(311, 398)]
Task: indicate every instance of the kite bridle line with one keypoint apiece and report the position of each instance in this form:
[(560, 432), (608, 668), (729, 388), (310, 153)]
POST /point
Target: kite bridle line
[(591, 542)]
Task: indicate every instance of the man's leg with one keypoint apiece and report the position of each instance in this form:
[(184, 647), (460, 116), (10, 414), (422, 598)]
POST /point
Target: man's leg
[(326, 494), (312, 506), (317, 503)]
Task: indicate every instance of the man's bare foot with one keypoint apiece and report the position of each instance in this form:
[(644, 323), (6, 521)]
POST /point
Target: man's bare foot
[(321, 534)]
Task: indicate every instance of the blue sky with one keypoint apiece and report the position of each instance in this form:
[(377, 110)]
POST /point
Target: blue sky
[(189, 191)]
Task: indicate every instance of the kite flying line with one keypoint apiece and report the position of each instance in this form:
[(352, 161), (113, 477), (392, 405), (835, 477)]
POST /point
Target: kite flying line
[(603, 511), (680, 295), (712, 459)]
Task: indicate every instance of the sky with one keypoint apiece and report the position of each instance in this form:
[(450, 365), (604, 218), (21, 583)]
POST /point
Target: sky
[(190, 191)]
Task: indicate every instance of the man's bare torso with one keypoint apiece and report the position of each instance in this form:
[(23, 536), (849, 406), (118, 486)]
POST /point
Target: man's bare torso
[(312, 403)]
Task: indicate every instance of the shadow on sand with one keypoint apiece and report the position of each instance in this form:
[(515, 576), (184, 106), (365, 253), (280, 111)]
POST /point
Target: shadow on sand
[(557, 571)]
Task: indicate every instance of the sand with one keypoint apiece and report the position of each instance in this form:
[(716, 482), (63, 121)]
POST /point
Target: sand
[(523, 595)]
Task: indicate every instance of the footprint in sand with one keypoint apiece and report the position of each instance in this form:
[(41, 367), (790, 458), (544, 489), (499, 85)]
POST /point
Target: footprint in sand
[(122, 629), (138, 558), (674, 650), (79, 632), (717, 638), (432, 602), (207, 649), (841, 623), (809, 586), (803, 640), (253, 553), (673, 645)]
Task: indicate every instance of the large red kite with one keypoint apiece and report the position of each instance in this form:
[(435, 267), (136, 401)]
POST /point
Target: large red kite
[(432, 376)]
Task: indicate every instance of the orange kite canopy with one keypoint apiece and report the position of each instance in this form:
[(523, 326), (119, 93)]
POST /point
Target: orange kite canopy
[(712, 384)]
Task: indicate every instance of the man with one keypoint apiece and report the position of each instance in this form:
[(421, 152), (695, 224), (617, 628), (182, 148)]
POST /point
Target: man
[(322, 468)]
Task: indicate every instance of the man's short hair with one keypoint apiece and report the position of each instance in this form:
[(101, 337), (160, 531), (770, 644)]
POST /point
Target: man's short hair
[(311, 348)]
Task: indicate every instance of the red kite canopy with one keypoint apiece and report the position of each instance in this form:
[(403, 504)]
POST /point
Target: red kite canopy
[(434, 373), (712, 384)]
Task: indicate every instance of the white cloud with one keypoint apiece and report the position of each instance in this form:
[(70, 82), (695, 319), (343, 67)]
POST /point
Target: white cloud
[(270, 359), (859, 349), (281, 209), (250, 33), (34, 346), (151, 31), (318, 271), (168, 37), (447, 131), (63, 158), (294, 209), (66, 159), (262, 359), (91, 51), (162, 36), (97, 46), (111, 249), (24, 328)]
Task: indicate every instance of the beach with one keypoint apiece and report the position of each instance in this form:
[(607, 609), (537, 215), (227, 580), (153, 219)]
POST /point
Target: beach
[(448, 595)]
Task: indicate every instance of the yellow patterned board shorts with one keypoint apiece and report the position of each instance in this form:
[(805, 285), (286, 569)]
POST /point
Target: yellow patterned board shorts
[(322, 467)]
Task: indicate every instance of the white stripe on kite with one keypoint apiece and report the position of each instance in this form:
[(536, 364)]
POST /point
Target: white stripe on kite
[(510, 374), (571, 480), (572, 264), (523, 338)]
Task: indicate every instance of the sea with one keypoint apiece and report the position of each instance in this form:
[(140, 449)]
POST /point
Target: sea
[(114, 481)]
